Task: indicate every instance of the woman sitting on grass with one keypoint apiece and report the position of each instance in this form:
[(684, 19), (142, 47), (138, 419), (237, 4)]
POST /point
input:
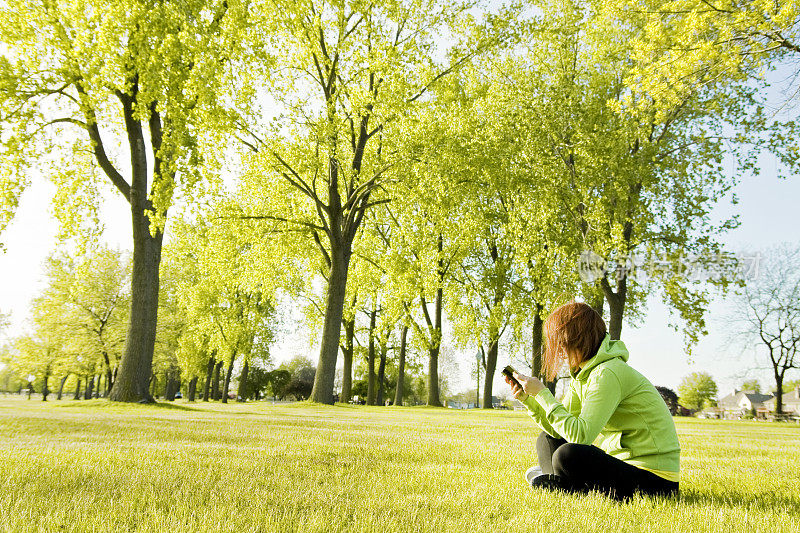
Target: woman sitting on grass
[(609, 404)]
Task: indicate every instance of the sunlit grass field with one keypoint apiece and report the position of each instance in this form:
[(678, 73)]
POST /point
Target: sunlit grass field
[(96, 466)]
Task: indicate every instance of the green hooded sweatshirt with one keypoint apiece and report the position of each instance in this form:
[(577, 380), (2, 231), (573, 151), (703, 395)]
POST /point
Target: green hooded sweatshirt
[(613, 406)]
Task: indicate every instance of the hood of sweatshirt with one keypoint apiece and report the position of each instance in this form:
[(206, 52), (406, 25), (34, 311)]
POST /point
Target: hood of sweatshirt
[(608, 350)]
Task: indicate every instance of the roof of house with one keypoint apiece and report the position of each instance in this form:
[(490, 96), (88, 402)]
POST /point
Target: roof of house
[(732, 400)]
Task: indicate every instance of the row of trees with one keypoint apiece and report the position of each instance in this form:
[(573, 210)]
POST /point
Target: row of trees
[(388, 165), (78, 322), (76, 335)]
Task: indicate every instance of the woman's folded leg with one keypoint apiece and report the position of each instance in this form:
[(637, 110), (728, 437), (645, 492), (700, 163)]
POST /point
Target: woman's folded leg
[(546, 446), (584, 467)]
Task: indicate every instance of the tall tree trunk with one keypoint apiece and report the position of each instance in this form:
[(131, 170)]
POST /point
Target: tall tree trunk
[(243, 392), (616, 311), (136, 365), (778, 391), (192, 389), (433, 377), (61, 386), (341, 245), (616, 305), (381, 372), (537, 349), (371, 360), (616, 300), (597, 302), (109, 375), (215, 381), (491, 366), (436, 336), (433, 354), (401, 368), (228, 379), (137, 359), (77, 395), (347, 354), (537, 344), (173, 384), (153, 384), (209, 372), (89, 388), (45, 388)]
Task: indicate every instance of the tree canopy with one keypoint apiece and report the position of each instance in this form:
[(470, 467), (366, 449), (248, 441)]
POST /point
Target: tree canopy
[(409, 176), (696, 390)]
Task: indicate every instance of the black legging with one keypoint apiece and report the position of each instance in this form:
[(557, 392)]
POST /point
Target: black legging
[(583, 467)]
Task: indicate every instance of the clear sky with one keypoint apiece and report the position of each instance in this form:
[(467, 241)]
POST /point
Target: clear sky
[(768, 214)]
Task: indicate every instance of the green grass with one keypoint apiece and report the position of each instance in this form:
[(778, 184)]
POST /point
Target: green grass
[(97, 466)]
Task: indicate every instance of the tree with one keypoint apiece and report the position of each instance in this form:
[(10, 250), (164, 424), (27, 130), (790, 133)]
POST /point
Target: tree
[(751, 385), (424, 251), (88, 297), (296, 363), (228, 313), (76, 75), (670, 398), (400, 386), (487, 281), (712, 42), (622, 173), (696, 389), (768, 312), (278, 380), (258, 380), (369, 65), (300, 384), (713, 45), (38, 356), (78, 321)]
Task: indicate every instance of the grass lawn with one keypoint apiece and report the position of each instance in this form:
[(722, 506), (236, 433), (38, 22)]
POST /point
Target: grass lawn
[(97, 466)]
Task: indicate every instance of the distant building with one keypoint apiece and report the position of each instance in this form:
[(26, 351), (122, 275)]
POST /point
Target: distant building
[(739, 404), (791, 403), (460, 405)]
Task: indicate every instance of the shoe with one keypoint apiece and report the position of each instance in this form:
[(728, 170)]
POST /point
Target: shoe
[(532, 472), (548, 481)]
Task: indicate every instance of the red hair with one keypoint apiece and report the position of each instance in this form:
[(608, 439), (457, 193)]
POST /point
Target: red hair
[(574, 333)]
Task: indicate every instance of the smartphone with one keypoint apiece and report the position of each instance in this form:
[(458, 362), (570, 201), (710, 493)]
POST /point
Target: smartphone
[(509, 372)]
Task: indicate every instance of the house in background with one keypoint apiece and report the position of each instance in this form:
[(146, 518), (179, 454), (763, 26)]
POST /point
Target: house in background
[(791, 404), (740, 404)]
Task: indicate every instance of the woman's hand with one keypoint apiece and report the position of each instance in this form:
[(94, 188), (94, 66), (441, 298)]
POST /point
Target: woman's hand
[(530, 385)]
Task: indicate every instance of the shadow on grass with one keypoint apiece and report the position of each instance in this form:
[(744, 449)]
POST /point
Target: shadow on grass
[(174, 406), (103, 403), (769, 501)]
